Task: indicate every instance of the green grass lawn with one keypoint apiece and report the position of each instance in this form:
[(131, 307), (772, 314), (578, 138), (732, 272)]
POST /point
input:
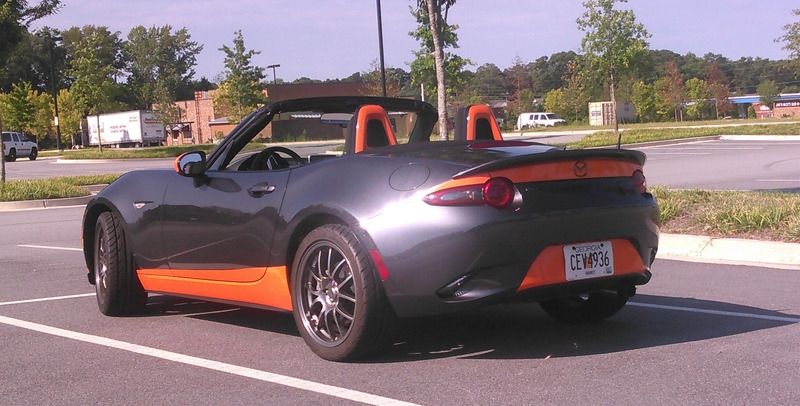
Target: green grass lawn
[(51, 188), (634, 126), (633, 136), (759, 215)]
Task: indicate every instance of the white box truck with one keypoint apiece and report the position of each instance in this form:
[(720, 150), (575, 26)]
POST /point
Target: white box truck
[(126, 129)]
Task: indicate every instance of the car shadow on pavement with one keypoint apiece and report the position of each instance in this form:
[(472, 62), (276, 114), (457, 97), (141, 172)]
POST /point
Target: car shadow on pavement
[(524, 331), (518, 330), (259, 319)]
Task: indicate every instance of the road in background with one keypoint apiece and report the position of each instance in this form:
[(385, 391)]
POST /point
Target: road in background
[(712, 164), (696, 334), (725, 164), (50, 167)]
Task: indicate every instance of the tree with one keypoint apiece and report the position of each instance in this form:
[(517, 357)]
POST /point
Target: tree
[(70, 115), (718, 89), (576, 95), (487, 82), (767, 92), (670, 89), (613, 41), (40, 124), (791, 38), (160, 64), (435, 34), (697, 92), (645, 98), (17, 109), (554, 101), (240, 91), (15, 16), (396, 79), (93, 75)]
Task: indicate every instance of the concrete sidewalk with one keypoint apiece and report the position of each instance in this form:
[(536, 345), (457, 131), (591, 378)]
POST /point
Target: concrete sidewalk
[(732, 251)]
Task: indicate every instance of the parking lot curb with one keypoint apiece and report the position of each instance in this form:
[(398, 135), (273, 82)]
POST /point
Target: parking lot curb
[(49, 203), (44, 203), (760, 137), (733, 251)]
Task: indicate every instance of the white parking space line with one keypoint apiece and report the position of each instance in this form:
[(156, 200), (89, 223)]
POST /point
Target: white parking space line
[(47, 247), (46, 299), (718, 312), (716, 148), (264, 376), (678, 144)]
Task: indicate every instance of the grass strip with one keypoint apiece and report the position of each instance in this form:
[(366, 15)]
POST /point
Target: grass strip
[(633, 136), (51, 188), (759, 215)]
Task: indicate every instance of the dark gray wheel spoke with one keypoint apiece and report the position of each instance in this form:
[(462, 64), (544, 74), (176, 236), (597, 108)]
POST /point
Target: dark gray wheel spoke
[(346, 280), (349, 298), (343, 314)]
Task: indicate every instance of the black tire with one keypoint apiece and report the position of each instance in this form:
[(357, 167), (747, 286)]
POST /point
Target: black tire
[(12, 155), (594, 307), (339, 305), (119, 291), (34, 153)]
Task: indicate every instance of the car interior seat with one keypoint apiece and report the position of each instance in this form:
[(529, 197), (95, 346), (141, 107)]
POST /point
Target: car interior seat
[(369, 128), (476, 123)]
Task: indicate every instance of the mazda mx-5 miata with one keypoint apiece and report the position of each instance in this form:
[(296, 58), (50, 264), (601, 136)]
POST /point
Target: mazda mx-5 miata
[(398, 225)]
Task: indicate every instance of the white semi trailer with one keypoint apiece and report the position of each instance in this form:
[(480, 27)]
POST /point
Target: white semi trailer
[(126, 129)]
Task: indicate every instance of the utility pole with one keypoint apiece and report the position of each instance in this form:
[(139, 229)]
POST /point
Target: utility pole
[(380, 47), (54, 88), (274, 76), (2, 155)]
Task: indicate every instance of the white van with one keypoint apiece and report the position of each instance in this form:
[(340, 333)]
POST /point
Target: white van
[(526, 120)]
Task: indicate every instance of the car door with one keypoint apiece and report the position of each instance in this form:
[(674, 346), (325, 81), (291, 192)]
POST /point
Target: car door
[(220, 227), (24, 146), (17, 145)]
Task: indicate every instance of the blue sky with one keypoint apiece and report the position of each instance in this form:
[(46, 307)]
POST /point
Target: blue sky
[(334, 38)]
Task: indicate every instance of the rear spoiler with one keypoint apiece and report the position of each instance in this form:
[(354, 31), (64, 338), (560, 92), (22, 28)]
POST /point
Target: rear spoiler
[(556, 155)]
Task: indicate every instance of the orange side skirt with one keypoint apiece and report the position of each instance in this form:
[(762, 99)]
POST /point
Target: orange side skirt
[(271, 290), (548, 268)]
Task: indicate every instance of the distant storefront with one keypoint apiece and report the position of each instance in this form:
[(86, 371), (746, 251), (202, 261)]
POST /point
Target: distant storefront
[(780, 109)]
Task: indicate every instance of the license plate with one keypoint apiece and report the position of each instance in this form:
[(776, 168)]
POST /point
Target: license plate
[(588, 260)]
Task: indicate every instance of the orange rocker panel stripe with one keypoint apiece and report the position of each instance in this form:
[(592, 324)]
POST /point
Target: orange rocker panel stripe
[(548, 268), (271, 289)]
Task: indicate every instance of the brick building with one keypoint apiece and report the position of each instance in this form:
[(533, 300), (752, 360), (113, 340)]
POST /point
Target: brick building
[(784, 108), (195, 116), (199, 123)]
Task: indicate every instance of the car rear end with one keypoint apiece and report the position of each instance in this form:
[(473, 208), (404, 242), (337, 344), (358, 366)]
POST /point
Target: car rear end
[(536, 226)]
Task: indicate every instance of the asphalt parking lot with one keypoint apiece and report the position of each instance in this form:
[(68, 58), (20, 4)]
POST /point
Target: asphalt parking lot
[(725, 165), (697, 334)]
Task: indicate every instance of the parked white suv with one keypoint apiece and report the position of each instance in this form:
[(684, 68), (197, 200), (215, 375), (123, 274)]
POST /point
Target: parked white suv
[(526, 120), (17, 145)]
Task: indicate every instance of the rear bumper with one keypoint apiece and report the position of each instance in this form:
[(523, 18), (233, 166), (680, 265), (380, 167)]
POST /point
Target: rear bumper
[(476, 258)]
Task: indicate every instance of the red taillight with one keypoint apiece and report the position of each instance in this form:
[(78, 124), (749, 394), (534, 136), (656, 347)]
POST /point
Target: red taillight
[(639, 182), (496, 192)]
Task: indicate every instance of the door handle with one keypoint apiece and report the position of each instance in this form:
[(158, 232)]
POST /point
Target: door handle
[(260, 189)]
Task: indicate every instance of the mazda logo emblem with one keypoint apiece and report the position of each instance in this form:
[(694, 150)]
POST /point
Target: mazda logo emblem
[(580, 168)]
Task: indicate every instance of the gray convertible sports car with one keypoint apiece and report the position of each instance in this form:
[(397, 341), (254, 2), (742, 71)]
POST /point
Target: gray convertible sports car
[(399, 225)]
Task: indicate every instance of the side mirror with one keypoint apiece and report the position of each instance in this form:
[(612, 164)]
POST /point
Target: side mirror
[(191, 164)]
